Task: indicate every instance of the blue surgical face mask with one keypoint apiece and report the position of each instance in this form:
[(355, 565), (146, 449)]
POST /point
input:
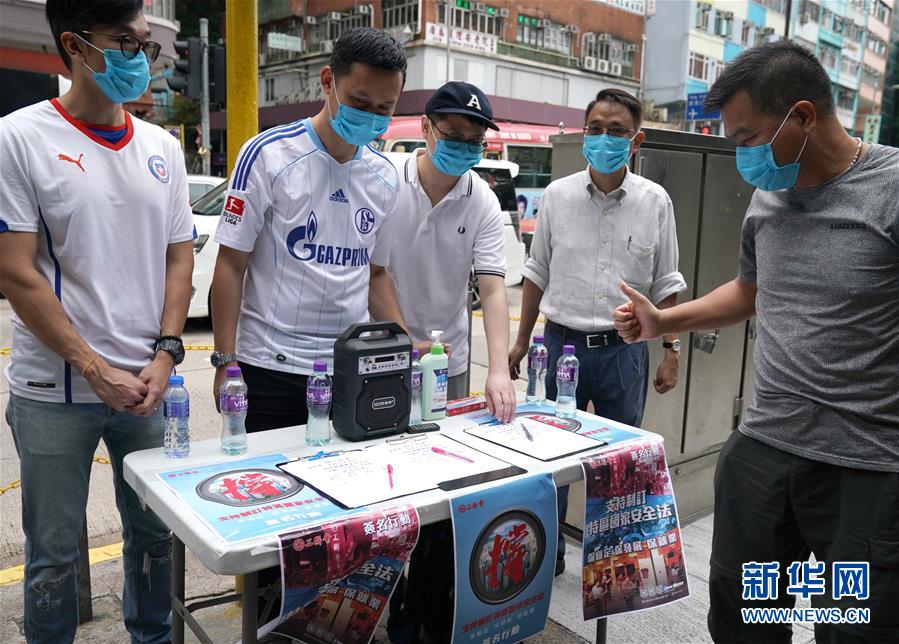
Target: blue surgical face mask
[(605, 153), (455, 158), (125, 79), (757, 166), (357, 127)]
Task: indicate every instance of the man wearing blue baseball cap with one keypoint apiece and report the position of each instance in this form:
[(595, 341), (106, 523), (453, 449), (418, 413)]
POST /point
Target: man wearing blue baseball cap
[(447, 220)]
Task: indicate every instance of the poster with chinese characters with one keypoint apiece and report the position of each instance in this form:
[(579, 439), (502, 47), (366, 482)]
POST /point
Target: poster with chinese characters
[(337, 578), (633, 556), (505, 544), (602, 430), (251, 497)]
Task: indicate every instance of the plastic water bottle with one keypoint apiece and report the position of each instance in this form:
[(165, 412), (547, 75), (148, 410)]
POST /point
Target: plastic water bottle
[(318, 401), (415, 412), (176, 409), (233, 403), (566, 383), (538, 362)]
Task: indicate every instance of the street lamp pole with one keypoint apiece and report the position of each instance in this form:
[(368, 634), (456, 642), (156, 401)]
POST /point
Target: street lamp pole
[(449, 27)]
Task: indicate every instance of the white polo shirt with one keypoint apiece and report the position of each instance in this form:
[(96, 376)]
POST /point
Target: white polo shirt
[(434, 249), (313, 226), (105, 215)]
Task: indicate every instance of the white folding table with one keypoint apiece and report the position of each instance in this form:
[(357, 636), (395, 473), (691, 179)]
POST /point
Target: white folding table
[(247, 557)]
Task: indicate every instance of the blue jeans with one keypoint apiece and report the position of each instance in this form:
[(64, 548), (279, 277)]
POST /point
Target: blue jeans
[(613, 378), (56, 444)]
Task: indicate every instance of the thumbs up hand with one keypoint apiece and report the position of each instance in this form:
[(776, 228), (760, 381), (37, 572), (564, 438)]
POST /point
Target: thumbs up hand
[(637, 320)]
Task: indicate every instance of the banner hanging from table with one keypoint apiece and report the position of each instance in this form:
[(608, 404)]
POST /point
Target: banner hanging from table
[(246, 498), (337, 578), (505, 545), (633, 556)]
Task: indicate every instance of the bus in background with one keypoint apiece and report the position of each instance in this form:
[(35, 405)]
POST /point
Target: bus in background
[(523, 144)]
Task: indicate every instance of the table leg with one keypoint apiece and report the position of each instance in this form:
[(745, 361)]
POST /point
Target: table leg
[(250, 599), (177, 588), (601, 631)]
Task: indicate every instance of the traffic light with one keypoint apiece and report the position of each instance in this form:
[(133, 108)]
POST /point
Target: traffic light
[(188, 77), (218, 75)]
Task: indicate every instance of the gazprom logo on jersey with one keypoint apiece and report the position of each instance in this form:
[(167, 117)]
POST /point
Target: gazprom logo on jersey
[(322, 253)]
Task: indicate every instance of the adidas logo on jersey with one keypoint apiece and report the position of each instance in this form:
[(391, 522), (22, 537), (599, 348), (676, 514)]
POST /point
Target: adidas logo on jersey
[(339, 196)]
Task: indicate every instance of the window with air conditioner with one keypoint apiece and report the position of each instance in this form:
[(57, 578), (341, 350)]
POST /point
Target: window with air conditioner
[(466, 16)]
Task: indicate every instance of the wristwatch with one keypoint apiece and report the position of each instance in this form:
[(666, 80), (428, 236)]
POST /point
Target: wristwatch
[(172, 345), (219, 359), (674, 346)]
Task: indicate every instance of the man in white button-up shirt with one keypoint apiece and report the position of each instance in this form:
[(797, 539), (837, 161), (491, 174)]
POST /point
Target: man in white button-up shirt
[(596, 229)]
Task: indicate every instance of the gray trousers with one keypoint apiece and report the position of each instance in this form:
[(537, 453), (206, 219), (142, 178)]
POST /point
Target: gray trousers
[(455, 388)]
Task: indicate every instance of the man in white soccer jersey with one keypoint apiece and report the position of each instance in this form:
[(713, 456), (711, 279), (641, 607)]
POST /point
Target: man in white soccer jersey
[(99, 279), (448, 219), (304, 233)]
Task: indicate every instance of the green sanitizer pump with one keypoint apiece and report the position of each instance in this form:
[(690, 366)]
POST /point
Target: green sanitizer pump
[(435, 379)]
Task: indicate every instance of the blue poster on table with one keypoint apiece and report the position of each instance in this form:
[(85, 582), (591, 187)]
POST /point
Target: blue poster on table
[(250, 497), (603, 430), (505, 553)]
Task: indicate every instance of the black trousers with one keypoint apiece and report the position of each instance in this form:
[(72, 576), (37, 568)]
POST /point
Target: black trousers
[(274, 398), (773, 506)]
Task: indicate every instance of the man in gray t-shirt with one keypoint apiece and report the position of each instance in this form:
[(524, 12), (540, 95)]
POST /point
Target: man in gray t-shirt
[(814, 466)]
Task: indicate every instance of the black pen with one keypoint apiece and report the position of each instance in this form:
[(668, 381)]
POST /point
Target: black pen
[(526, 432)]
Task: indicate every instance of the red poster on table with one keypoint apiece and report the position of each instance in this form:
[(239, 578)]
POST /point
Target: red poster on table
[(338, 577)]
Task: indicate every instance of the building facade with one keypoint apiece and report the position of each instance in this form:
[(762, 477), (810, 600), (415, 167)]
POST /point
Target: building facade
[(30, 63), (889, 127), (540, 62), (690, 41)]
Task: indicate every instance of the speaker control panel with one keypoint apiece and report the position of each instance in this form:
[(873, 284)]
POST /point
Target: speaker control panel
[(384, 363)]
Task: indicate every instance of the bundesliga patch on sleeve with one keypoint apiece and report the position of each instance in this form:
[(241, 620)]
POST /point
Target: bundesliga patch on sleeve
[(233, 213)]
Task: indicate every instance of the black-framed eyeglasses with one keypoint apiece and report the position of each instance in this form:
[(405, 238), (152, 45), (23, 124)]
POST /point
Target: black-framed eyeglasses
[(613, 130), (449, 138), (131, 46)]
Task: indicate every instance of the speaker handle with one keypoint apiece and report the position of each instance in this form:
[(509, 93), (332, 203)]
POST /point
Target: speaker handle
[(356, 330)]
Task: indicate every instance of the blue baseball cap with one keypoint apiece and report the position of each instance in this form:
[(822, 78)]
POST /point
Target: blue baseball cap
[(457, 97)]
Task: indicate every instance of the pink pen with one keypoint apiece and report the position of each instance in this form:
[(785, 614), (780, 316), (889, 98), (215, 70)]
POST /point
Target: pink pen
[(443, 452), (390, 474)]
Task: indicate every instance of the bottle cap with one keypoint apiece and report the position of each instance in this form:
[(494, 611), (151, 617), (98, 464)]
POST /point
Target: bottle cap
[(437, 349), (232, 372), (568, 349), (320, 366), (538, 339), (415, 354), (176, 380)]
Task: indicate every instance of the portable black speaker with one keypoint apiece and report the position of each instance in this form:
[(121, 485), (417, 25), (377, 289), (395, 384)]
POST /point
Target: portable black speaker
[(372, 381)]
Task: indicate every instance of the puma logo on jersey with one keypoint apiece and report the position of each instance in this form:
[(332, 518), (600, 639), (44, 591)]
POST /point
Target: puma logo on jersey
[(66, 157)]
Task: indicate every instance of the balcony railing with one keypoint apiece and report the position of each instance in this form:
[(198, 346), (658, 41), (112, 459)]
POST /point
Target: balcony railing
[(545, 56)]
